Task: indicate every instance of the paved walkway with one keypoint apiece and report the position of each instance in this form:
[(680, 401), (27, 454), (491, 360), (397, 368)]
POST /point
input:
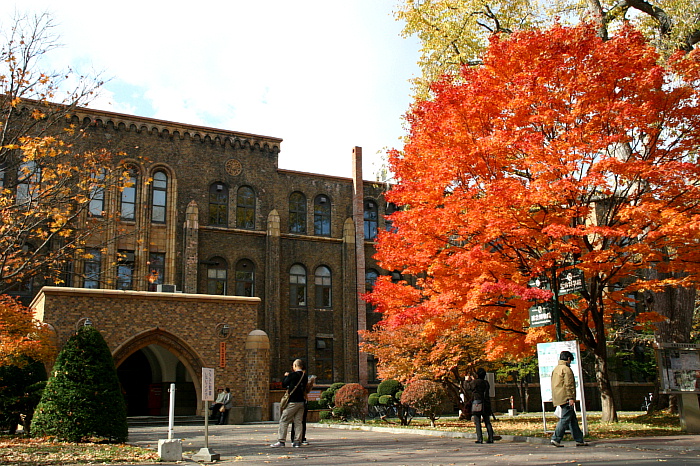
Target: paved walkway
[(356, 445)]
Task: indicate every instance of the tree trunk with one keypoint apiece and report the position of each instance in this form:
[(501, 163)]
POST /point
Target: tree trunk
[(606, 394)]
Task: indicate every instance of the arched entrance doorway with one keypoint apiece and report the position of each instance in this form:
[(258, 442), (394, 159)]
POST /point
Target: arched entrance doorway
[(145, 377), (147, 364)]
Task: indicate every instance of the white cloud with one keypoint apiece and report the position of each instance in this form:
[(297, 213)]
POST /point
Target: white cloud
[(323, 75)]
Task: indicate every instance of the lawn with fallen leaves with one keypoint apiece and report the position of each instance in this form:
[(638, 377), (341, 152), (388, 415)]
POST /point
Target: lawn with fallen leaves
[(17, 450), (530, 425)]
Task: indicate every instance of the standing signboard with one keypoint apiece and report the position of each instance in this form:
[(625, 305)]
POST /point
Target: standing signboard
[(548, 359), (679, 370), (207, 384)]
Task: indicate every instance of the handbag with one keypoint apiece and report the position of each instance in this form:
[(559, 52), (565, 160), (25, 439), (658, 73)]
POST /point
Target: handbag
[(557, 411), (477, 406), (285, 398), (222, 409)]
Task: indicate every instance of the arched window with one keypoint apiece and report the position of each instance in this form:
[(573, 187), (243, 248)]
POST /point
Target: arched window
[(245, 278), (217, 274), (322, 215), (297, 213), (371, 217), (97, 194), (218, 204), (28, 179), (128, 204), (323, 287), (245, 208), (159, 196), (297, 286)]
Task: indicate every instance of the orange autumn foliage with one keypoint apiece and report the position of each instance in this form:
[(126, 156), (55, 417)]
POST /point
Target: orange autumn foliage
[(562, 148), (21, 337)]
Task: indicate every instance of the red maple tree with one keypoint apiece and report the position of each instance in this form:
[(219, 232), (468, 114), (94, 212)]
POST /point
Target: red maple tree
[(562, 151)]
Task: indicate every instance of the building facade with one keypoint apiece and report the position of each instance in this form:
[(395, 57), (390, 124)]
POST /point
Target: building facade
[(209, 212)]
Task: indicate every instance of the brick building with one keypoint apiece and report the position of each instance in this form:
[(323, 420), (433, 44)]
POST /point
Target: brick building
[(208, 212)]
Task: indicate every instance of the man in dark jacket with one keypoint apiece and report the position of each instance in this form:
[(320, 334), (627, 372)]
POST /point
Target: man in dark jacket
[(295, 383), (481, 400), (564, 395)]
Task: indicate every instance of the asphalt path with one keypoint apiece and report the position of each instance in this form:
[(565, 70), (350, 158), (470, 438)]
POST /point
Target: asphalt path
[(249, 444)]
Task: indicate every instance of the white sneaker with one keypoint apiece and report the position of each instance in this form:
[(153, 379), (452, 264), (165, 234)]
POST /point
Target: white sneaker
[(277, 445)]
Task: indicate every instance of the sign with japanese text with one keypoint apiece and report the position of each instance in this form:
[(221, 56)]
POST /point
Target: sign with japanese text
[(207, 384)]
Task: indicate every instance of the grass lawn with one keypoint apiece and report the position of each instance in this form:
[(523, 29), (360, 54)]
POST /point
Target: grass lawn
[(17, 450), (632, 424)]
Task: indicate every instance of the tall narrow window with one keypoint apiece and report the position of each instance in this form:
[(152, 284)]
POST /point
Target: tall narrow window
[(297, 286), (218, 204), (371, 218), (159, 196), (324, 360), (93, 269), (125, 270), (297, 213), (156, 270), (388, 223), (323, 287), (372, 317), (97, 194), (128, 204), (245, 208), (322, 215), (28, 179), (217, 276), (245, 278)]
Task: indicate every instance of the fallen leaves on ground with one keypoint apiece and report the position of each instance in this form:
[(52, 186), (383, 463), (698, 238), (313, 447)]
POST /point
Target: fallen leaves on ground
[(46, 452)]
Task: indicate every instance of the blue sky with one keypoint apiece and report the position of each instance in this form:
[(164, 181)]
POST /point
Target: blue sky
[(324, 75)]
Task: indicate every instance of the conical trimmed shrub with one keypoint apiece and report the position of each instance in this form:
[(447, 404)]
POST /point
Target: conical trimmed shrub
[(82, 400)]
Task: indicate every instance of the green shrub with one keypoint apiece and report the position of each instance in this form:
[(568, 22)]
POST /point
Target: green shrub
[(387, 400), (426, 397), (313, 404), (373, 399), (82, 400), (389, 387), (353, 396), (20, 391), (328, 394), (325, 415), (340, 412)]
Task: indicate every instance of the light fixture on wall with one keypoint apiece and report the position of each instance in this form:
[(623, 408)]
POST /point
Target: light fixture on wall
[(84, 322)]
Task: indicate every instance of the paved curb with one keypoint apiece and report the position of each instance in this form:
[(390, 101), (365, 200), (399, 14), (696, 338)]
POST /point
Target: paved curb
[(642, 443)]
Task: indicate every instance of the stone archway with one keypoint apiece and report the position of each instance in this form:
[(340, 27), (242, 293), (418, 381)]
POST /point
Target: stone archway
[(161, 338)]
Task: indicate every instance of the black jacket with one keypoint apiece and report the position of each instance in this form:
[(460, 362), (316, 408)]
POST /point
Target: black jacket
[(290, 381)]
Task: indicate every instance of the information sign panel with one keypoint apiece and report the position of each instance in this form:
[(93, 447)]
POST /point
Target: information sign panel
[(207, 384), (679, 365)]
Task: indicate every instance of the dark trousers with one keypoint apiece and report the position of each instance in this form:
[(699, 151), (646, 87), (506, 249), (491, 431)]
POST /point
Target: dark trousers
[(223, 417), (215, 414), (478, 417), (303, 423)]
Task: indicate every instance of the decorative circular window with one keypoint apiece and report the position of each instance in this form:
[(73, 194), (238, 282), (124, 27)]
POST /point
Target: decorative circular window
[(223, 331), (233, 167)]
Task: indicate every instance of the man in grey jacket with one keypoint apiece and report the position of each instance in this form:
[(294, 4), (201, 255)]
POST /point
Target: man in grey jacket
[(564, 395)]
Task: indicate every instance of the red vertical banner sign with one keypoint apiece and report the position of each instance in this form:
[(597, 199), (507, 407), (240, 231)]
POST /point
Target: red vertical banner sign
[(222, 354)]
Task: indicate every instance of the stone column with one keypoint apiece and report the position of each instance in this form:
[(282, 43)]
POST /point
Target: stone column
[(358, 213), (190, 257), (272, 287), (256, 397), (350, 352)]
